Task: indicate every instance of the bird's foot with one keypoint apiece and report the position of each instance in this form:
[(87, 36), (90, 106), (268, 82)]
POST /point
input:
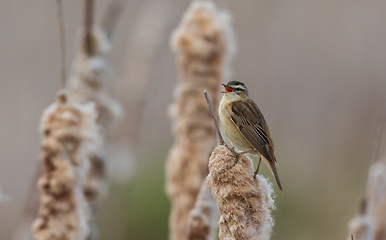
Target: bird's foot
[(237, 154), (232, 149), (237, 159)]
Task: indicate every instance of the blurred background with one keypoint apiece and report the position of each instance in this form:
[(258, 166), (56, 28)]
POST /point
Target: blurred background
[(315, 68)]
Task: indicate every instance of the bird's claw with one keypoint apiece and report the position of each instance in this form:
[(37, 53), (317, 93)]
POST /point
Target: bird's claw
[(237, 160)]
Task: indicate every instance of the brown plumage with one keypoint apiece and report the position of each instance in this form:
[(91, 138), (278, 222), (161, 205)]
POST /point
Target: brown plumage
[(245, 126)]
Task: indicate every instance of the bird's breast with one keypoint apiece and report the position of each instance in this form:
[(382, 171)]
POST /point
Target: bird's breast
[(232, 133)]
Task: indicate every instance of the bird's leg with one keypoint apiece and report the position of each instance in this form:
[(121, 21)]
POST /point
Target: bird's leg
[(237, 158), (239, 153), (232, 149), (257, 170)]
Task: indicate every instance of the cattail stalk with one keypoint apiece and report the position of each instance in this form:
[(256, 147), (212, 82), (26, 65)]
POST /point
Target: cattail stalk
[(361, 227), (370, 223), (69, 136), (203, 44), (244, 203), (89, 74), (86, 85), (202, 220), (376, 198)]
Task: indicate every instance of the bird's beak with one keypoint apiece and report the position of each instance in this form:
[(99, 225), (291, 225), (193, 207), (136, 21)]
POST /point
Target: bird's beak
[(227, 88)]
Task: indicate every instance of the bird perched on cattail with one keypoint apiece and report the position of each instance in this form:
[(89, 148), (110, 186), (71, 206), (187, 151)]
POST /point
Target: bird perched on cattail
[(245, 126)]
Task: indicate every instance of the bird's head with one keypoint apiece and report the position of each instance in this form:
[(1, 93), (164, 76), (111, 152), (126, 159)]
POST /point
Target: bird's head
[(236, 88)]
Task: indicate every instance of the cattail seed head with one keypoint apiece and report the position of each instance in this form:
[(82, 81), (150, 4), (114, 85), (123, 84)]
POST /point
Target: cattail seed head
[(203, 46), (244, 203), (69, 136)]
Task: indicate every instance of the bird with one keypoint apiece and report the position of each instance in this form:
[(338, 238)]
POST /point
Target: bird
[(245, 127)]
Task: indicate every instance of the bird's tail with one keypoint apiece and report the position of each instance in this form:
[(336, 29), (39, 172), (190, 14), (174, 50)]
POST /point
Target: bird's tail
[(272, 168)]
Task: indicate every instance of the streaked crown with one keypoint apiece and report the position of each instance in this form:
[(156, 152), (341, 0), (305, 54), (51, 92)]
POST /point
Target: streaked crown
[(238, 87)]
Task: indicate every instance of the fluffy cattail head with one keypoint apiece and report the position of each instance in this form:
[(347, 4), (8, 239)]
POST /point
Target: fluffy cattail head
[(202, 44), (204, 31), (362, 227), (244, 203), (69, 131), (202, 220)]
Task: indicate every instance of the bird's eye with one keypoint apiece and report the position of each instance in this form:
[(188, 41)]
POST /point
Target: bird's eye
[(237, 89)]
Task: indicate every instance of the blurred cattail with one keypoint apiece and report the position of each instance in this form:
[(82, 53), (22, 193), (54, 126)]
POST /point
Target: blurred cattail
[(202, 220), (370, 223), (86, 85), (244, 203), (376, 197), (361, 227), (203, 44), (76, 134), (69, 136), (89, 73)]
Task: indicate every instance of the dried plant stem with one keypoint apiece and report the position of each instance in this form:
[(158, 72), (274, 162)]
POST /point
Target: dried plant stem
[(86, 85), (361, 228), (244, 203), (89, 72), (88, 24), (62, 43), (370, 223), (378, 135), (202, 220), (203, 44), (69, 137), (221, 140), (376, 198), (111, 17)]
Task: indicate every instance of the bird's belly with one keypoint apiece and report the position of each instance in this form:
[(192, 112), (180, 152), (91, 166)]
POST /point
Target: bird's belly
[(232, 132)]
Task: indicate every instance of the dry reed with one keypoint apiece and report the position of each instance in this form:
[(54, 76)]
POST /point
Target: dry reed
[(244, 203), (361, 227), (69, 136), (203, 44), (376, 198), (88, 76), (89, 72), (202, 220), (371, 223)]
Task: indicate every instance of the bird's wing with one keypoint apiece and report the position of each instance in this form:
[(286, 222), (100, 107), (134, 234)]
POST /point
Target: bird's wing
[(251, 124)]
